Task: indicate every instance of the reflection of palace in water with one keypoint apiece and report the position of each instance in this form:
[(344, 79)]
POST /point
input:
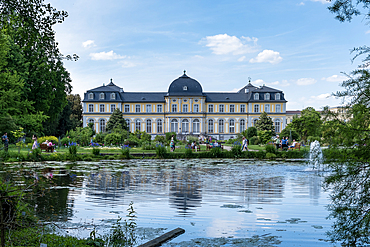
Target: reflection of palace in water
[(185, 186)]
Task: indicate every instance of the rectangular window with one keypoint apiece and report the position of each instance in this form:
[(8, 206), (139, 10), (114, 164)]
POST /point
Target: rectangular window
[(102, 109), (148, 108), (210, 108), (222, 107), (232, 108), (112, 108), (184, 108), (196, 108), (267, 108), (159, 126), (242, 108), (159, 109), (174, 108), (91, 108), (137, 108), (278, 108), (127, 108), (256, 108)]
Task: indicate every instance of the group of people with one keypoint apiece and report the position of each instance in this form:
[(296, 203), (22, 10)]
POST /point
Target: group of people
[(284, 143)]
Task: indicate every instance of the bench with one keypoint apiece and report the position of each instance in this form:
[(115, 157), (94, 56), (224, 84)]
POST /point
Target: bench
[(296, 146), (45, 147)]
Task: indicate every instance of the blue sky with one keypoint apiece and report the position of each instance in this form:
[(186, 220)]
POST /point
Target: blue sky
[(295, 46)]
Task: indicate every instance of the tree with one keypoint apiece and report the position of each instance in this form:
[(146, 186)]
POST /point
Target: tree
[(15, 111), (29, 25), (288, 131), (308, 124), (251, 131), (265, 123), (116, 120)]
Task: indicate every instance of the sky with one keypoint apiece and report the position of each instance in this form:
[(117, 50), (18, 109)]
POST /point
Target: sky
[(294, 46)]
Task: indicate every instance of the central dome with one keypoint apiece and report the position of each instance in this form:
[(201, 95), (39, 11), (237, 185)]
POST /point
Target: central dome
[(184, 85)]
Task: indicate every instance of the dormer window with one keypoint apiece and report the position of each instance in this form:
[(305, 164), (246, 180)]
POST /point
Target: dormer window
[(256, 96), (101, 96), (267, 96), (185, 88), (277, 96), (113, 96), (246, 90), (91, 96)]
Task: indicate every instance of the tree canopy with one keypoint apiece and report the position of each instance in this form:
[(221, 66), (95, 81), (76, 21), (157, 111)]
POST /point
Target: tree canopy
[(35, 54), (308, 124), (116, 120)]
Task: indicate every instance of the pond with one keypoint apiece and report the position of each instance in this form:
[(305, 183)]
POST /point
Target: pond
[(221, 202)]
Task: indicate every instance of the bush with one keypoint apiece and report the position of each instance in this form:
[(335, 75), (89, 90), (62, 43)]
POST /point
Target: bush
[(230, 141), (72, 149), (53, 139), (251, 132), (188, 153), (254, 140), (270, 148), (160, 139), (148, 146), (65, 141), (113, 139), (161, 151), (126, 152), (236, 150), (270, 156), (216, 152), (96, 151)]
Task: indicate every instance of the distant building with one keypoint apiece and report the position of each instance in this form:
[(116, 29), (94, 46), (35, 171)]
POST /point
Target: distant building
[(186, 109), (290, 115)]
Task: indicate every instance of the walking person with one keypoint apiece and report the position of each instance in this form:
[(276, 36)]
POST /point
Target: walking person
[(172, 144), (244, 144), (277, 142), (34, 145), (6, 141)]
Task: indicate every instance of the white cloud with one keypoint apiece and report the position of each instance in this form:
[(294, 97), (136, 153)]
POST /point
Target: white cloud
[(335, 78), (241, 59), (367, 32), (262, 82), (301, 4), (306, 81), (321, 1), (128, 64), (222, 44), (110, 55), (321, 97), (88, 43), (267, 56)]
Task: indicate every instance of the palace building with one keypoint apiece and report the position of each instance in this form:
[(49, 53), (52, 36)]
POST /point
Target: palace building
[(185, 109)]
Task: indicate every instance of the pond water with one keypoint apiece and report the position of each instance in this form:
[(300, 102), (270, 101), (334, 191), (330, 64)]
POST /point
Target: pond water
[(220, 202)]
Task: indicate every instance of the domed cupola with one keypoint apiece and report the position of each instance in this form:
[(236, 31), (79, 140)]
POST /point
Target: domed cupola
[(184, 85)]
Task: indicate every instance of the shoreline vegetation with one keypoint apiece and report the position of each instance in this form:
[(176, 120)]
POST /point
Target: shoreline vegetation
[(259, 152)]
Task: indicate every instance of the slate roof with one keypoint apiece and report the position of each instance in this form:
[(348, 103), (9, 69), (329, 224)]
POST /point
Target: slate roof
[(176, 88)]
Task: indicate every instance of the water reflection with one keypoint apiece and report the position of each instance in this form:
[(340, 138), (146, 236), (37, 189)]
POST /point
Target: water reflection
[(191, 193)]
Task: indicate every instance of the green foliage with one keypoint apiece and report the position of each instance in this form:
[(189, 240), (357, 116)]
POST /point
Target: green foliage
[(286, 133), (116, 120), (236, 150), (188, 153), (169, 135), (270, 148), (251, 132), (96, 151), (265, 123), (52, 139), (72, 149), (81, 135), (160, 139), (126, 152), (113, 139), (255, 140), (308, 124), (147, 146), (70, 117), (216, 152), (99, 138), (192, 139), (265, 136), (270, 156), (161, 151)]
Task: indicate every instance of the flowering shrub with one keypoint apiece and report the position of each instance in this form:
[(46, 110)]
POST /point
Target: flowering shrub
[(72, 149), (126, 151), (160, 151)]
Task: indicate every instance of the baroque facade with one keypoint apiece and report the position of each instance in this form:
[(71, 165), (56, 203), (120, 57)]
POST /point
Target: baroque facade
[(186, 109)]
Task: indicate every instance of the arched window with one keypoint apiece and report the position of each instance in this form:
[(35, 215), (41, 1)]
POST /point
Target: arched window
[(267, 96), (159, 126), (277, 96), (185, 126), (232, 126), (221, 126), (138, 124), (128, 124), (196, 126), (148, 126), (242, 125), (113, 96), (255, 122), (256, 96), (91, 96), (91, 121), (210, 126), (277, 125), (102, 125), (101, 96), (174, 125)]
